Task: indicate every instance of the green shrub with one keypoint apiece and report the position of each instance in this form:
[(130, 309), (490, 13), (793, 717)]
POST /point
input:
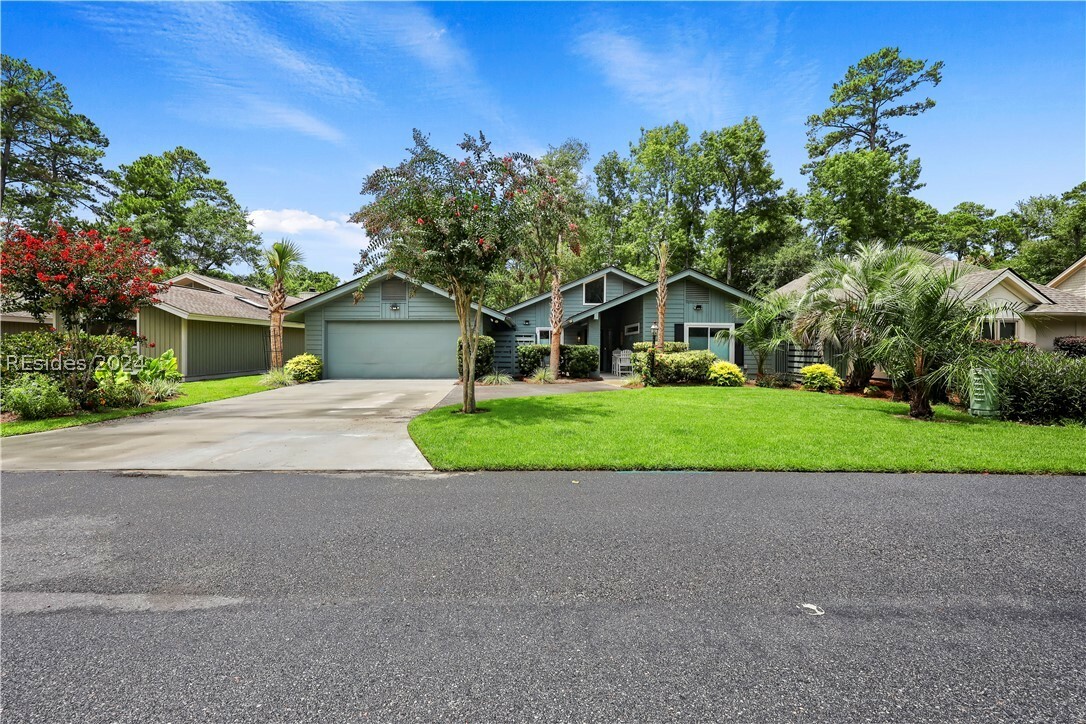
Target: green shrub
[(50, 353), (675, 367), (773, 379), (530, 357), (669, 347), (578, 360), (484, 356), (36, 396), (1040, 387), (496, 379), (162, 390), (304, 368), (820, 377), (1071, 346), (277, 377), (542, 375), (726, 374), (163, 367), (115, 392)]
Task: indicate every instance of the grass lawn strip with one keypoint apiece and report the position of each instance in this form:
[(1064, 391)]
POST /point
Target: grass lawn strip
[(749, 428), (192, 393)]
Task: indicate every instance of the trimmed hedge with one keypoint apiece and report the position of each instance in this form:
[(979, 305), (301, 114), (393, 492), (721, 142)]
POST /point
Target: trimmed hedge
[(42, 351), (530, 357), (574, 360), (820, 378), (1071, 346), (484, 356), (669, 347), (726, 374), (675, 367), (304, 367), (578, 360), (1040, 387)]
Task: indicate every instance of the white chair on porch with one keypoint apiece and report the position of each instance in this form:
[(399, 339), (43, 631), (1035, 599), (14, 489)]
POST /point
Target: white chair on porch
[(621, 362)]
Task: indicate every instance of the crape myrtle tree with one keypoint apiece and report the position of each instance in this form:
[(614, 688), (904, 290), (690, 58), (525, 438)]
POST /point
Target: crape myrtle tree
[(447, 221), (556, 205), (88, 279)]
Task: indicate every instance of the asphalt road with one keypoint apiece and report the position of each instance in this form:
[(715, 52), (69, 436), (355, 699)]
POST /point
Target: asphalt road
[(531, 597)]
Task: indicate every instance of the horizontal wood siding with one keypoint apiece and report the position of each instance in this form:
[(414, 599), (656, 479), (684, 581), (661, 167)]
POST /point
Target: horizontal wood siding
[(162, 328), (505, 352), (221, 349)]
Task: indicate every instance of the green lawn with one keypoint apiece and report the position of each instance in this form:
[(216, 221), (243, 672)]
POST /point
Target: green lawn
[(192, 393), (746, 428)]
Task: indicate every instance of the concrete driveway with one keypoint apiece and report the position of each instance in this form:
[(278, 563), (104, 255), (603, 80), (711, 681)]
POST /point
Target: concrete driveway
[(328, 425)]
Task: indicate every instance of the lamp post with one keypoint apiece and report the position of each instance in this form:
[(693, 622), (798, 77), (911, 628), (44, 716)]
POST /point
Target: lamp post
[(652, 356)]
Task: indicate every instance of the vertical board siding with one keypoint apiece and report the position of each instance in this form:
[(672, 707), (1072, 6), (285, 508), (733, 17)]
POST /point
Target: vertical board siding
[(505, 352), (162, 328), (293, 342), (220, 348)]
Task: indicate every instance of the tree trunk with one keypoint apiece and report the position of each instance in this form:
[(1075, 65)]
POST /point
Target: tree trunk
[(469, 335), (661, 294), (276, 300), (919, 391), (276, 340), (556, 321), (859, 377)]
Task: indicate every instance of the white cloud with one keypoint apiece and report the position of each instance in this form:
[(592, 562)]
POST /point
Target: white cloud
[(238, 71), (672, 80), (330, 243)]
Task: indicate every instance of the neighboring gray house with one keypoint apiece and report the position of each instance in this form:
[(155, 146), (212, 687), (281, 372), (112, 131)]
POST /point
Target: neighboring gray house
[(215, 328), (398, 329), (402, 328)]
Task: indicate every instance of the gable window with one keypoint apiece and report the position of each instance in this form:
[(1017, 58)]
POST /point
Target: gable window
[(594, 291)]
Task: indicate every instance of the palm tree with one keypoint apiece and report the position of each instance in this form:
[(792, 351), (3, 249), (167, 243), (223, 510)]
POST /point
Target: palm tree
[(841, 306), (281, 257), (766, 328), (929, 333)]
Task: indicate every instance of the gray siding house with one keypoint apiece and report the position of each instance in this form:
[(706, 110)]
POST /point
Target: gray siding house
[(215, 328), (401, 328)]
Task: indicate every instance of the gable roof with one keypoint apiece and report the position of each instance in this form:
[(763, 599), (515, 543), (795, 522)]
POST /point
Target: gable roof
[(349, 287), (575, 283), (1062, 276), (976, 284), (937, 261), (649, 288), (192, 294)]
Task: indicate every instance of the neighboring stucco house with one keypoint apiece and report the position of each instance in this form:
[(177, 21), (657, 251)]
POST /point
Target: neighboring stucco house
[(1041, 312), (402, 328), (215, 328)]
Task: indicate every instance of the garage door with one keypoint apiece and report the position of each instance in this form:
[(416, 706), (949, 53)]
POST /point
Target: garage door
[(389, 350)]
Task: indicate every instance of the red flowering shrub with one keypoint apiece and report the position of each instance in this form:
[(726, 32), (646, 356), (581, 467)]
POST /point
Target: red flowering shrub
[(84, 277)]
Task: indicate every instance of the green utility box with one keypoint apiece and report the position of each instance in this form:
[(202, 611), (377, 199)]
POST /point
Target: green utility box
[(983, 401)]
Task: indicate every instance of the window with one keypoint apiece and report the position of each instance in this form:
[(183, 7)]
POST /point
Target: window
[(631, 329), (593, 291), (1001, 329), (543, 335), (703, 336)]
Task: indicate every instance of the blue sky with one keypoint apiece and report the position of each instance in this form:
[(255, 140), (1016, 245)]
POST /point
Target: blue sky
[(293, 104)]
